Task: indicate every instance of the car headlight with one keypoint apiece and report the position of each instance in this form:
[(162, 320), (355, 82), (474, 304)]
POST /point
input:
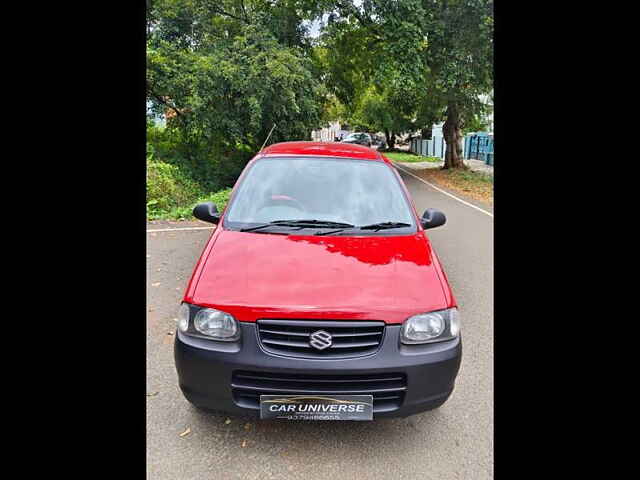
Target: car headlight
[(207, 323), (431, 327)]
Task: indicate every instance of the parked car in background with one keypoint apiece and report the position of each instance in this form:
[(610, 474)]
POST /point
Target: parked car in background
[(319, 295), (359, 138), (402, 140), (379, 141)]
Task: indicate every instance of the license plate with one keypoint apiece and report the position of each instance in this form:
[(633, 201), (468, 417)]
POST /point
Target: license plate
[(316, 407)]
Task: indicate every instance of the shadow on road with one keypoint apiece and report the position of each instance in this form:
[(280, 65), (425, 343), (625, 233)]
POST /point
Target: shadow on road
[(297, 432)]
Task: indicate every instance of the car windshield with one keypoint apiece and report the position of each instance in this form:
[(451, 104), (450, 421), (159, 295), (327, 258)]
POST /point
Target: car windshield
[(356, 136), (348, 191)]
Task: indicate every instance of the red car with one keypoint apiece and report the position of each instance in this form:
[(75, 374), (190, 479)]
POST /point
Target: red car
[(318, 295)]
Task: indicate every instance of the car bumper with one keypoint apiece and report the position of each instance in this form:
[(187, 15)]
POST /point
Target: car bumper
[(208, 372)]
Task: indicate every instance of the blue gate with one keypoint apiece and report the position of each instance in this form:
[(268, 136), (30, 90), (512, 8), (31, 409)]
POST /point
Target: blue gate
[(479, 146)]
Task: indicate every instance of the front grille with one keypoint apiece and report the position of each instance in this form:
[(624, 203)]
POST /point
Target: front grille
[(349, 339), (387, 388)]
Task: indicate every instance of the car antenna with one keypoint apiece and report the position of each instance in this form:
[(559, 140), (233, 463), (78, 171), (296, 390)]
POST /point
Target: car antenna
[(266, 139)]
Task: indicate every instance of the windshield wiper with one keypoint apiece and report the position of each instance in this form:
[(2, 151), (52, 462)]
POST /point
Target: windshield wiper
[(373, 226), (271, 224), (312, 223), (329, 232), (316, 223), (384, 226), (299, 223)]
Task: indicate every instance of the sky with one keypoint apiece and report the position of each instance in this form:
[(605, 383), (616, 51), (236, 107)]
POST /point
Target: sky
[(314, 28)]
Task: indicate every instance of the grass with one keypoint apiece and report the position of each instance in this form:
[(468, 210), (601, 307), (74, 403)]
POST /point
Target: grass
[(476, 185), (408, 157)]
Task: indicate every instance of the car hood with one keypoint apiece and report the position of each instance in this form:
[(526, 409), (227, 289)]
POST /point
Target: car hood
[(253, 275)]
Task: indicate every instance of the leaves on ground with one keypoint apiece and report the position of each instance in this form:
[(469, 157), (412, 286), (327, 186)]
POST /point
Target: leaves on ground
[(152, 394), (477, 185)]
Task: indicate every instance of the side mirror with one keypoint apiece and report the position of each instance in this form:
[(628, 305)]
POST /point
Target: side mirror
[(432, 218), (207, 212)]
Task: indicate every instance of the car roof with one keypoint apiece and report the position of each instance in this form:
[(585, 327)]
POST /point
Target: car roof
[(325, 149)]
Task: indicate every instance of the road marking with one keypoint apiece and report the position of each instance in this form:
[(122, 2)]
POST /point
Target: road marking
[(179, 229), (443, 191)]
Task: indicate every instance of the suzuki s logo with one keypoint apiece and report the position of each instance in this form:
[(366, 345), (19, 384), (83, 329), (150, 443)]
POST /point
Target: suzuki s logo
[(320, 340)]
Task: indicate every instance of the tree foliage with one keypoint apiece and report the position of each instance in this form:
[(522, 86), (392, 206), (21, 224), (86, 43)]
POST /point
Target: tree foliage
[(431, 58), (385, 110), (460, 59), (363, 56), (227, 71)]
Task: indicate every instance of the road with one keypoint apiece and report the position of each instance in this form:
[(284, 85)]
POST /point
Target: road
[(453, 442)]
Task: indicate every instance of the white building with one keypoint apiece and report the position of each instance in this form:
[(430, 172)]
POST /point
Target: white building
[(328, 134)]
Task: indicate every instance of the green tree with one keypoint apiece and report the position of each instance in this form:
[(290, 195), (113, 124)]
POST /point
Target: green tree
[(363, 57), (386, 111), (460, 60), (435, 53), (227, 71), (475, 124), (333, 111)]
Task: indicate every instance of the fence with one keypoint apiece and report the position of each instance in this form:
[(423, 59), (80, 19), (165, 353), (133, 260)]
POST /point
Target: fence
[(478, 146), (327, 134), (428, 148)]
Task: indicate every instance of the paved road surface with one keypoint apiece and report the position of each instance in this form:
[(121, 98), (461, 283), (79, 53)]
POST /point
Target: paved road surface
[(453, 442)]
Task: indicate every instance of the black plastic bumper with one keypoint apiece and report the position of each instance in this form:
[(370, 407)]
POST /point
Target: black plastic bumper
[(205, 369)]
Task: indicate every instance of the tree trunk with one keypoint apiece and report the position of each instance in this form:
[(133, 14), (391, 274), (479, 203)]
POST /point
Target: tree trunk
[(452, 135), (391, 139)]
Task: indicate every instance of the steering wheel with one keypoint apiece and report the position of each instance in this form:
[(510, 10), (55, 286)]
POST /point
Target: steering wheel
[(284, 200)]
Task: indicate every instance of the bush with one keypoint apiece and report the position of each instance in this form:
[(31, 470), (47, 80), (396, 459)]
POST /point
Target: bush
[(182, 172), (168, 187), (197, 158), (220, 198)]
